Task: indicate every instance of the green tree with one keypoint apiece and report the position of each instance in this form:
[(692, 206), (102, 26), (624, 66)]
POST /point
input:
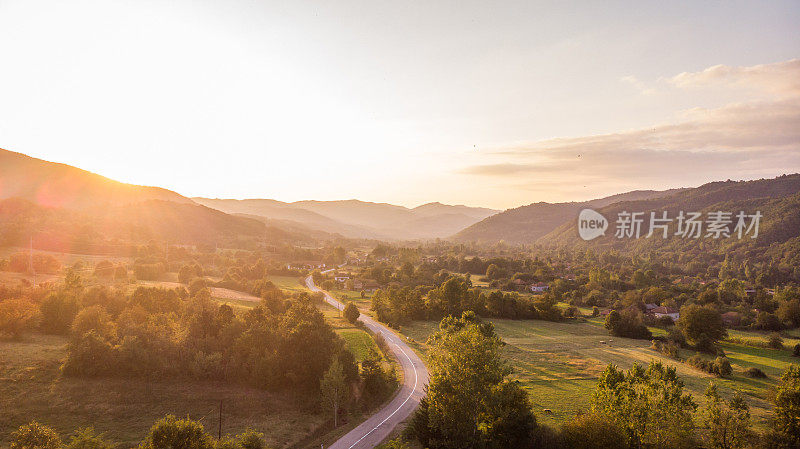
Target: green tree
[(173, 433), (351, 312), (648, 403), (87, 438), (35, 436), (787, 405), (469, 402), (334, 389), (728, 424), (701, 325)]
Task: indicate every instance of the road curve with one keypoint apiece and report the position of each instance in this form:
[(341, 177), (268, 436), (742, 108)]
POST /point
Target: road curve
[(377, 427)]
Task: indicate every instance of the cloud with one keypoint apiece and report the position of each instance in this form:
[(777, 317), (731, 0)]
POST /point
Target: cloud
[(741, 141), (638, 85), (782, 78)]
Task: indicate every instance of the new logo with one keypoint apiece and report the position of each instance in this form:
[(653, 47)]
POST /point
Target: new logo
[(591, 224)]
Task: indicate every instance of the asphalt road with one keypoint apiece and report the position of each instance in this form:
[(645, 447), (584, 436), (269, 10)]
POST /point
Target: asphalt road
[(377, 427)]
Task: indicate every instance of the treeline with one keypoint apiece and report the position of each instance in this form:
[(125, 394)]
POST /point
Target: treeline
[(472, 402), (284, 342), (398, 306), (168, 432)]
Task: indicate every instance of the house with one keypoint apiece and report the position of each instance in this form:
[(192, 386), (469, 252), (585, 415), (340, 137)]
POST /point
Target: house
[(305, 265), (660, 312), (358, 284), (341, 278), (370, 285), (539, 287), (650, 307)]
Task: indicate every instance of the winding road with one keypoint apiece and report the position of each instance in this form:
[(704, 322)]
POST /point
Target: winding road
[(377, 427)]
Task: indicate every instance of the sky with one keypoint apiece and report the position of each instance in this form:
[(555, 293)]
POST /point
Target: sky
[(495, 104)]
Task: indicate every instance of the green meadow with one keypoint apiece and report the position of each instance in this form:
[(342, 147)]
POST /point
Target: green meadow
[(559, 364)]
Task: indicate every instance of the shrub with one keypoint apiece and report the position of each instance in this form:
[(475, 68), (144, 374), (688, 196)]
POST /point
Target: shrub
[(104, 269), (595, 311), (17, 316), (58, 310), (796, 351), (87, 439), (35, 436), (173, 433), (755, 373), (720, 366), (351, 312), (627, 324), (592, 431), (775, 341)]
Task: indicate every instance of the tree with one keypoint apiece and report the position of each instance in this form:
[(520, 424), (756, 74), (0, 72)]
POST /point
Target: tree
[(35, 436), (787, 405), (334, 389), (351, 312), (701, 325), (87, 439), (94, 318), (173, 433), (57, 311), (728, 424), (469, 401), (17, 316), (648, 403)]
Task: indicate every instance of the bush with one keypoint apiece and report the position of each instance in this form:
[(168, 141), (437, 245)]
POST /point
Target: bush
[(775, 341), (720, 366), (35, 436), (796, 351), (58, 310), (627, 324), (755, 373), (88, 439), (591, 431), (173, 433), (351, 312), (17, 316)]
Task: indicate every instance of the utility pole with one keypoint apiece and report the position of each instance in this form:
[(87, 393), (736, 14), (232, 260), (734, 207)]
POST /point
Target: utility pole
[(219, 430), (30, 263)]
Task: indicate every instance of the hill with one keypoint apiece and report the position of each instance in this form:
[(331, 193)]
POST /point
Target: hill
[(777, 199), (526, 224), (59, 185), (360, 219), (111, 230)]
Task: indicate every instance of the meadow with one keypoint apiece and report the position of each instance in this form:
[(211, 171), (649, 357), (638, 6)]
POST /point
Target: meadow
[(32, 387), (559, 363)]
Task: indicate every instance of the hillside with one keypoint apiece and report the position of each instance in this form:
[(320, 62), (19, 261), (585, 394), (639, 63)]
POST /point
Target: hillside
[(360, 219), (105, 230), (778, 200), (60, 185), (526, 224)]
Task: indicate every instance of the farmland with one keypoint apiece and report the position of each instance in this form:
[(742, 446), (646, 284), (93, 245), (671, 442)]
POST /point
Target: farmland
[(558, 364)]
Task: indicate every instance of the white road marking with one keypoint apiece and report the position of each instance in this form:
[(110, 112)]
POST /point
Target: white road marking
[(340, 306)]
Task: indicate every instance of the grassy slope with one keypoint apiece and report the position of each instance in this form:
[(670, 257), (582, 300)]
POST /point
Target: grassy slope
[(31, 388), (558, 364)]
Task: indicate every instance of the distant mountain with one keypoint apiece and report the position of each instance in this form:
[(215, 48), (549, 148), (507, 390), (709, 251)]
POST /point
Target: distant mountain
[(361, 219), (60, 185), (526, 224), (288, 214)]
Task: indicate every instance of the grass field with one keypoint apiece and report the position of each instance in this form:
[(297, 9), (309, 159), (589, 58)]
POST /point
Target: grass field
[(558, 364), (32, 387)]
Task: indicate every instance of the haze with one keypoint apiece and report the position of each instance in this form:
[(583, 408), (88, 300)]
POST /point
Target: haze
[(404, 102)]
